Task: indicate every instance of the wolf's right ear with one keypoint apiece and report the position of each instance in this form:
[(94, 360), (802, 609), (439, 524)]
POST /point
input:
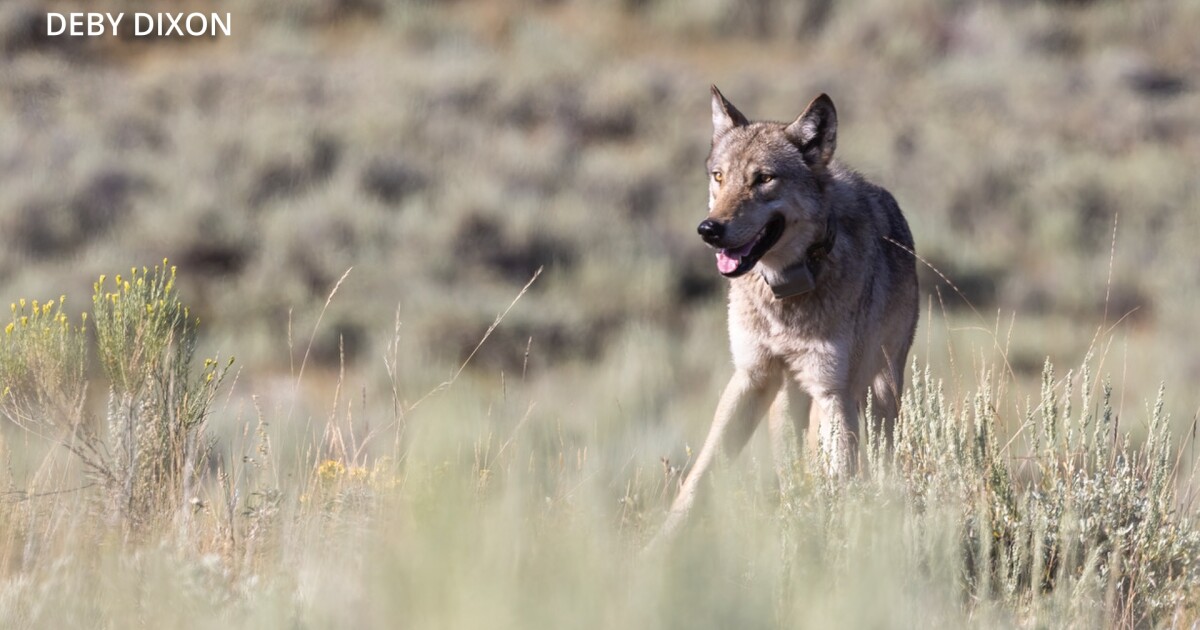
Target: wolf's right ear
[(725, 115), (815, 131)]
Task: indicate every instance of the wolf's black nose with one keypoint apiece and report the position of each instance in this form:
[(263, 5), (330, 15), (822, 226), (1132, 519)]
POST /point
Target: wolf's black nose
[(710, 231)]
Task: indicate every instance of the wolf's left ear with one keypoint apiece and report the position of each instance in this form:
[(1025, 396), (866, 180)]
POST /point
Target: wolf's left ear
[(725, 115), (815, 131)]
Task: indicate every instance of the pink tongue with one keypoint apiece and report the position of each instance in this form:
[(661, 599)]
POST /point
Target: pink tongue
[(725, 263), (729, 259)]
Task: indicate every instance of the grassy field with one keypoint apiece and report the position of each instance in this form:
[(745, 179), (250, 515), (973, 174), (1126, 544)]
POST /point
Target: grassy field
[(352, 192)]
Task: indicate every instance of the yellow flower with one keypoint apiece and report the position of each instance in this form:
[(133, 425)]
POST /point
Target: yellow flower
[(9, 328), (330, 470), (383, 474)]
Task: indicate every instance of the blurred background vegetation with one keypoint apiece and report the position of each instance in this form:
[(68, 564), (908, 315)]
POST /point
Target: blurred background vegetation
[(350, 470), (448, 150)]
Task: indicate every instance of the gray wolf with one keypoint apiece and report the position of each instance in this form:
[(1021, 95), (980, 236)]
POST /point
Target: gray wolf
[(823, 289)]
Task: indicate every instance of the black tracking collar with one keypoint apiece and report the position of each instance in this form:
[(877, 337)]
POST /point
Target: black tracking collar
[(801, 276)]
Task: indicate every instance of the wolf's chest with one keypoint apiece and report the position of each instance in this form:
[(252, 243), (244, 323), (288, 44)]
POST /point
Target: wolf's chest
[(788, 331), (788, 339), (761, 328)]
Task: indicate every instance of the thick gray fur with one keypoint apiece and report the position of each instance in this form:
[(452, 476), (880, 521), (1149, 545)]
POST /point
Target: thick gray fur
[(849, 335)]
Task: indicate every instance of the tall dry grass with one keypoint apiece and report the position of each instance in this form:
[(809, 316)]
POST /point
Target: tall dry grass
[(485, 515)]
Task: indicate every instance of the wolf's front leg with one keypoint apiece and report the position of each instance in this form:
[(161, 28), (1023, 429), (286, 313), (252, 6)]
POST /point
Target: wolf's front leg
[(785, 431), (837, 431), (741, 408)]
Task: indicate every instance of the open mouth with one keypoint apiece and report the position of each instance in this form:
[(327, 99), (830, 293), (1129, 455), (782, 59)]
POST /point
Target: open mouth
[(735, 261)]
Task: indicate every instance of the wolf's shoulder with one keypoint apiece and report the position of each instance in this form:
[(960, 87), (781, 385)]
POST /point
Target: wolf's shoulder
[(877, 203), (897, 226)]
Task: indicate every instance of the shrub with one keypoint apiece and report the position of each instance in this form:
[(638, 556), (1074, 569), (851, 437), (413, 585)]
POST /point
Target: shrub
[(1083, 519), (147, 449)]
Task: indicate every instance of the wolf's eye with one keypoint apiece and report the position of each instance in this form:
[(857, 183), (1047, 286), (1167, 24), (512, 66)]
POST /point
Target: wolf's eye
[(718, 177), (763, 178)]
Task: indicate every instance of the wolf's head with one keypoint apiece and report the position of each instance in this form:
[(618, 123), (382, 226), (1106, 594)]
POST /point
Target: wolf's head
[(765, 185)]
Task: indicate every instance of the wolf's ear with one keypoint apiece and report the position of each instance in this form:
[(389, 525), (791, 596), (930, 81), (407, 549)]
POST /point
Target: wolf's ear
[(725, 115), (815, 131)]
